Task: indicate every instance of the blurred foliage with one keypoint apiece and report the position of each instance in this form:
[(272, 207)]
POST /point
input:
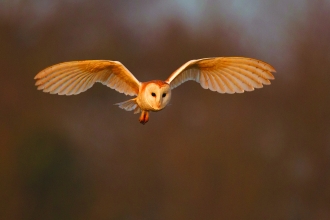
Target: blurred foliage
[(259, 155), (48, 174)]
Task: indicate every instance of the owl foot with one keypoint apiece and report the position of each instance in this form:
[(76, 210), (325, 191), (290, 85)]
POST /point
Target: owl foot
[(144, 118)]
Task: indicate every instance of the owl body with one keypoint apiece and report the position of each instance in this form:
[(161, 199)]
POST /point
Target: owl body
[(220, 74)]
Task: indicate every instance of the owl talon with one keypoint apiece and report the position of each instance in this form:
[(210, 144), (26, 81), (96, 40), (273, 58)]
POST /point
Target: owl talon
[(144, 118), (143, 122)]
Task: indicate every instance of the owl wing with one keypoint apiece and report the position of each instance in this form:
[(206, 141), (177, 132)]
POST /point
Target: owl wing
[(71, 78), (224, 74)]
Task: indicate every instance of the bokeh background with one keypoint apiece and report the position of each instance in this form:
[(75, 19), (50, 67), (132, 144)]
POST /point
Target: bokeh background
[(257, 155)]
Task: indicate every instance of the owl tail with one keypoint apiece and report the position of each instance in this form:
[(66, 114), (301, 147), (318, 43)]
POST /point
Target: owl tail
[(129, 105)]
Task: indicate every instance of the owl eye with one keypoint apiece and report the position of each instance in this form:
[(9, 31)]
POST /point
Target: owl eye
[(164, 94), (153, 94)]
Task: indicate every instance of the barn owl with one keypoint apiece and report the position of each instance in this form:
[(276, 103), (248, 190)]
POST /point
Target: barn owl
[(221, 74)]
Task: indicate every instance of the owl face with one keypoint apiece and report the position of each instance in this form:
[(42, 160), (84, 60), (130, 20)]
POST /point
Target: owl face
[(157, 95)]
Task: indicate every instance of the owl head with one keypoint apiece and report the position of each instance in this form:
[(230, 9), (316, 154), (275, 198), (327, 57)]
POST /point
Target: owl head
[(157, 94)]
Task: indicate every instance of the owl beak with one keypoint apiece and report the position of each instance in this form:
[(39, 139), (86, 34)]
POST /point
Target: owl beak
[(159, 103)]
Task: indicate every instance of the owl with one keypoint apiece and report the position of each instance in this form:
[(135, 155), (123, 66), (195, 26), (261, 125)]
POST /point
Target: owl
[(220, 74)]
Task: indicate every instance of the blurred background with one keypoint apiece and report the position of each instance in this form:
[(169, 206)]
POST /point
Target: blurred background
[(257, 155)]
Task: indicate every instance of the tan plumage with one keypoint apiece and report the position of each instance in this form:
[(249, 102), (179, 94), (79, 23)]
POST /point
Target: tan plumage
[(221, 74), (71, 78)]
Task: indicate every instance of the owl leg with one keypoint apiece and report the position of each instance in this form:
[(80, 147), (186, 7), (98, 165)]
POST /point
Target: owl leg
[(144, 118)]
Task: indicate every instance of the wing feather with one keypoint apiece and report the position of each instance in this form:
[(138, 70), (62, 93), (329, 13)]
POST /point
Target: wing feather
[(64, 82), (252, 79), (247, 83), (77, 80), (44, 83), (88, 83), (215, 85), (76, 87), (224, 74), (221, 86), (228, 84), (204, 80), (71, 78), (236, 85), (212, 83)]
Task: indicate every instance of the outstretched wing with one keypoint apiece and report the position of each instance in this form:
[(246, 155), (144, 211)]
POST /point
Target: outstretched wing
[(224, 74), (71, 78)]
